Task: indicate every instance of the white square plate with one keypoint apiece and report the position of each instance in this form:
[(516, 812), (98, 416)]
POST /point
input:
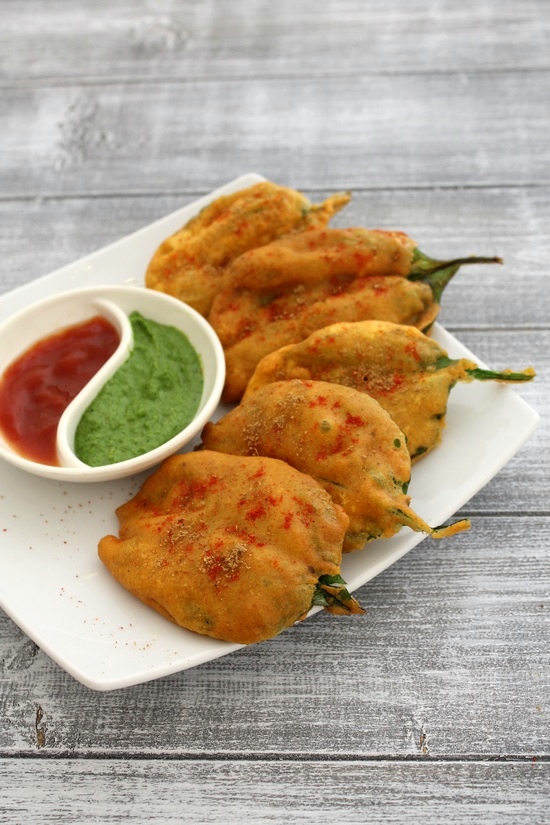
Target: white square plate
[(52, 583)]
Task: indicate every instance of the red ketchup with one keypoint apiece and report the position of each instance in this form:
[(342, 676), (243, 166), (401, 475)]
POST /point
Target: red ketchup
[(37, 387)]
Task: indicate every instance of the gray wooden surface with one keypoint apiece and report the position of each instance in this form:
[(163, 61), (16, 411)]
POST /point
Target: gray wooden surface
[(436, 705)]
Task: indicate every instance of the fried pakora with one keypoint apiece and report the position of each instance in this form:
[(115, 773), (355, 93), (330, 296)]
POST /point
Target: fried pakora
[(283, 291), (229, 547), (342, 438), (189, 264), (408, 373)]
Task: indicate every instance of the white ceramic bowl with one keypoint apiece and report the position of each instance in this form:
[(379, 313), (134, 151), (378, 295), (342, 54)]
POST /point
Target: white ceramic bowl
[(19, 332)]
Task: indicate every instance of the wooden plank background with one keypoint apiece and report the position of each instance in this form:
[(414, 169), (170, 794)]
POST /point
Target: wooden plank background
[(436, 115)]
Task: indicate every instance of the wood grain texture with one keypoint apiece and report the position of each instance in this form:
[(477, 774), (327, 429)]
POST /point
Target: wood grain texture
[(96, 791), (182, 39), (397, 132)]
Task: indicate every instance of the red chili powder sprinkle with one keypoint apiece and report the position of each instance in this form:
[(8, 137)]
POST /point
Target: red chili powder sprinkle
[(244, 329), (222, 216), (250, 538), (216, 567), (397, 382), (320, 401), (412, 349), (242, 228), (260, 472), (287, 520), (334, 449), (306, 511), (362, 259), (256, 513), (192, 490)]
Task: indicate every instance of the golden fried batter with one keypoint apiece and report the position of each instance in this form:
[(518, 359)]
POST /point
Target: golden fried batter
[(229, 547), (189, 264), (282, 292), (409, 374), (342, 438)]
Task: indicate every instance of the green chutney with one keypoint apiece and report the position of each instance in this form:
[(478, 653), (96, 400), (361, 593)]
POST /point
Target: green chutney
[(153, 395)]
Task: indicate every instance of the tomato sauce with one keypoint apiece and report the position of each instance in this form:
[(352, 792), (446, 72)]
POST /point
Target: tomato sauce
[(37, 387)]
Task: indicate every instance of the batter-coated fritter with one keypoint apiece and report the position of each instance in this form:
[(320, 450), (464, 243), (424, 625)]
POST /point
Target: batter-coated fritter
[(342, 438), (409, 374), (229, 547), (282, 292), (189, 264)]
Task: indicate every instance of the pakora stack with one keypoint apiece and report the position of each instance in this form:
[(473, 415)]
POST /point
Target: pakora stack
[(342, 438), (339, 390), (190, 263), (408, 373), (281, 292)]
